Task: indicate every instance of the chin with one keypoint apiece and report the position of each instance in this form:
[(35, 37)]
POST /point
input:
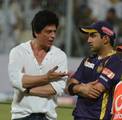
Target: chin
[(93, 50), (49, 46)]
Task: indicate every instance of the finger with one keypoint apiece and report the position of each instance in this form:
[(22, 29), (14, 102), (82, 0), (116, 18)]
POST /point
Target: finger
[(93, 96), (94, 82), (63, 74), (95, 90), (54, 69), (66, 73), (94, 93)]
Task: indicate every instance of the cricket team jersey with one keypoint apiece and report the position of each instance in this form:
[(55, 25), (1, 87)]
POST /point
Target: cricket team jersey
[(117, 102), (108, 71)]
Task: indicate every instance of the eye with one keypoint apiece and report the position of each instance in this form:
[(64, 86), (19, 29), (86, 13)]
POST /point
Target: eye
[(48, 31), (92, 35)]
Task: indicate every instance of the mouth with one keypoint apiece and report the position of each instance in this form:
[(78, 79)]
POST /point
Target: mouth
[(50, 42), (90, 45)]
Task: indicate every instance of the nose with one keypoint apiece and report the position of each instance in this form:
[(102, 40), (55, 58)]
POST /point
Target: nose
[(89, 40), (53, 35)]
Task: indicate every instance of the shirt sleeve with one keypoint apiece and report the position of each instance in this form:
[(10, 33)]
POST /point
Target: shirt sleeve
[(111, 73), (61, 84), (15, 67)]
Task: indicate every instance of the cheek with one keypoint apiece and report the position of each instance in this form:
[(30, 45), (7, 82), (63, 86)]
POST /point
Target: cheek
[(43, 37), (96, 43), (99, 43)]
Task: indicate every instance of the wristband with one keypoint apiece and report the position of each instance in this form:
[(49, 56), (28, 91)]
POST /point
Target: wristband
[(70, 88)]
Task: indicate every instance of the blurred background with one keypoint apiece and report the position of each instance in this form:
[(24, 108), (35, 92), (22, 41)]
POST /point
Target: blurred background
[(15, 28)]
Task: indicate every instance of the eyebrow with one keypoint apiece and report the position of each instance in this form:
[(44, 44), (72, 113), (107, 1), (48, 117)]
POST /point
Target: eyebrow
[(93, 33)]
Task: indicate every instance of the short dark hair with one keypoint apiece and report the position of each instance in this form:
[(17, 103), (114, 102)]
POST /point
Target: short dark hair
[(112, 39), (42, 19)]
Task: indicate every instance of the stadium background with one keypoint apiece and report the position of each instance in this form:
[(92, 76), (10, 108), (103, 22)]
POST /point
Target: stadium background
[(15, 19)]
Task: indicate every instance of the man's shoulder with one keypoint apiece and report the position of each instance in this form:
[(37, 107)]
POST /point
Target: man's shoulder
[(20, 47), (92, 57), (57, 50), (119, 85), (117, 56), (115, 60)]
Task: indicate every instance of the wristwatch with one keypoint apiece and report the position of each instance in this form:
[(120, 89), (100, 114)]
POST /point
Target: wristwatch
[(27, 90)]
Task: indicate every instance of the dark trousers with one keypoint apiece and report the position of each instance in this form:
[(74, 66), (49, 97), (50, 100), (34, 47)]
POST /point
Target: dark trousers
[(79, 118), (34, 116)]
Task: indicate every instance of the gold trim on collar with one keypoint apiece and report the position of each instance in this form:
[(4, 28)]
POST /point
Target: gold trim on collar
[(109, 54)]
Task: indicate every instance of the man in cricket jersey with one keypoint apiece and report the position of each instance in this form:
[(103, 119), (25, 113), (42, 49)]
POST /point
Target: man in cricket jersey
[(97, 75)]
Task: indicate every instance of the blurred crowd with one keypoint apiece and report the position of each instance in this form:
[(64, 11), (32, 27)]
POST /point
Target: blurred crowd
[(16, 16), (94, 10)]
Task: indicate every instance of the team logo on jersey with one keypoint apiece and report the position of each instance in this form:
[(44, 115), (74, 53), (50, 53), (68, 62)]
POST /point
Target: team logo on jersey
[(89, 65), (118, 103), (108, 73)]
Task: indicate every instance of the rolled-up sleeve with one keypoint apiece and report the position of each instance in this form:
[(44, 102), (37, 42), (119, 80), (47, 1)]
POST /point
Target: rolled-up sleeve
[(15, 67), (61, 84)]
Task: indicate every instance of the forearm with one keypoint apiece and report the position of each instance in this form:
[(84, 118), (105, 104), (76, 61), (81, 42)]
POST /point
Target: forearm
[(43, 91), (29, 81), (77, 89), (89, 90), (71, 83)]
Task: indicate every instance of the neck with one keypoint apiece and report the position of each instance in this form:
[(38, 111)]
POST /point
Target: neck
[(106, 51), (37, 46)]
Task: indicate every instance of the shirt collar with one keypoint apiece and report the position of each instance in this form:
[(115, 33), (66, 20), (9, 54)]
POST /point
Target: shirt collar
[(27, 46)]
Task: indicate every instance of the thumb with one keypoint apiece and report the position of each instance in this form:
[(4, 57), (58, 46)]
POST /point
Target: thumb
[(54, 69)]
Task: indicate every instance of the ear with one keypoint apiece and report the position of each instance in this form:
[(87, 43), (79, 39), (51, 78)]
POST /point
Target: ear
[(36, 34), (106, 39)]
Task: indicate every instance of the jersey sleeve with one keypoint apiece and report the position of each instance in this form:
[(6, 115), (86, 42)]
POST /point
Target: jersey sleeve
[(79, 72), (111, 73)]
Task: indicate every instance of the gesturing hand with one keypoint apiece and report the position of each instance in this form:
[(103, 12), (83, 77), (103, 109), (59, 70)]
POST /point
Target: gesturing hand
[(52, 75)]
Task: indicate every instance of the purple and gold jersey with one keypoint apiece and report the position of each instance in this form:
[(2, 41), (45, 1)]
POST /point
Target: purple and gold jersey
[(108, 71)]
